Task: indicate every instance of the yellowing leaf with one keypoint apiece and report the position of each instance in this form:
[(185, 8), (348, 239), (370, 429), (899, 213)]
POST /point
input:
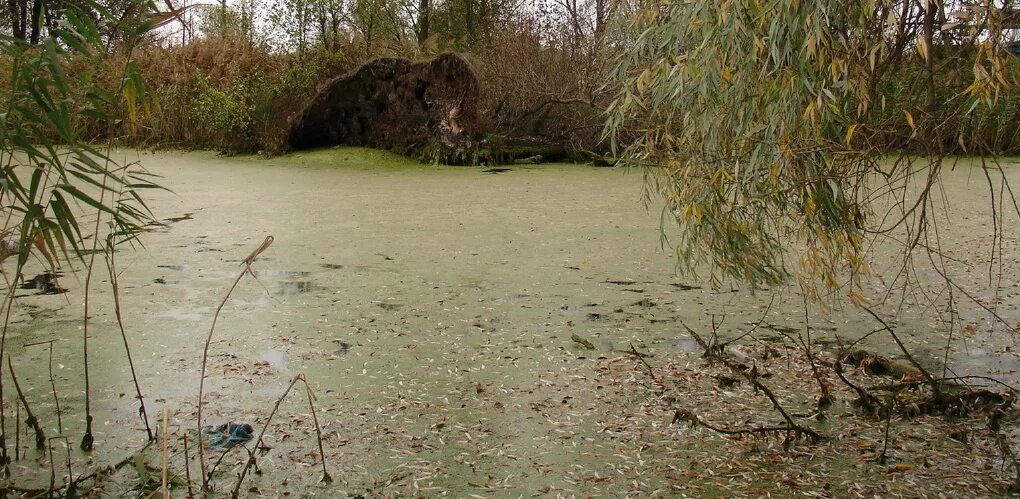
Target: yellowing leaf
[(858, 299), (900, 468)]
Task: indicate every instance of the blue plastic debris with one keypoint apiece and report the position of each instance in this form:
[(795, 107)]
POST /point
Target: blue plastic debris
[(227, 435)]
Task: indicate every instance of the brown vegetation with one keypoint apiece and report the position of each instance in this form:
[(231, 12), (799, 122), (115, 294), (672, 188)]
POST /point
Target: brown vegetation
[(217, 80), (392, 103)]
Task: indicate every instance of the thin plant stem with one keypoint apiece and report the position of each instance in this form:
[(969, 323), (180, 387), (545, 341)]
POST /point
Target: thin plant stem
[(166, 464), (112, 266), (201, 379), (53, 386), (187, 467), (888, 422), (88, 439), (72, 487), (17, 432), (825, 398), (53, 470), (53, 383), (258, 442), (30, 420), (247, 262), (318, 430), (5, 458)]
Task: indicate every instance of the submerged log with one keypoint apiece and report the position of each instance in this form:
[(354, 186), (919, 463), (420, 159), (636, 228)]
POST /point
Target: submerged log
[(394, 104)]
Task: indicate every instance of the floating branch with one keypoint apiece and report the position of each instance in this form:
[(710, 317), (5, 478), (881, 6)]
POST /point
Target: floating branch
[(751, 375), (641, 358), (685, 416)]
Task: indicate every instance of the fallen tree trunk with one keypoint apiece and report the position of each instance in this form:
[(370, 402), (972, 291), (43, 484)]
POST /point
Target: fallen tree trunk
[(394, 104)]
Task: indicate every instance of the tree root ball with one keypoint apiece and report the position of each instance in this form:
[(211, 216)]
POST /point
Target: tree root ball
[(394, 104)]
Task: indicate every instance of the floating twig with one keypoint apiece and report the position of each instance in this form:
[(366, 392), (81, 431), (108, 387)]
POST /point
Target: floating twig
[(635, 353), (751, 375)]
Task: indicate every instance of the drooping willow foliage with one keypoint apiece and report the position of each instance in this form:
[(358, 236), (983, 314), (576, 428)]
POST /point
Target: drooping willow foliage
[(767, 125)]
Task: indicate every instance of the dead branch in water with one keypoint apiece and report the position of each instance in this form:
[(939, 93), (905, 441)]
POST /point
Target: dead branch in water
[(865, 399), (686, 416), (903, 348), (259, 444), (635, 353), (791, 429), (946, 396)]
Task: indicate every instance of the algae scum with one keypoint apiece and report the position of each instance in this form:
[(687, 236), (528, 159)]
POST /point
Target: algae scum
[(435, 311)]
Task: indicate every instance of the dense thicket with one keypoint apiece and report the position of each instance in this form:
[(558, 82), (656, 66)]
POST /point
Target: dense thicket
[(229, 76)]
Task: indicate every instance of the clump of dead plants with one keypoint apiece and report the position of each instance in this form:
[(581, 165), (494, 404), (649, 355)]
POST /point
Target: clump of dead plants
[(874, 387)]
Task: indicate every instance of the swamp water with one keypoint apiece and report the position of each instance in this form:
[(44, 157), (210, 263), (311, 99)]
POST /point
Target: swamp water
[(432, 310)]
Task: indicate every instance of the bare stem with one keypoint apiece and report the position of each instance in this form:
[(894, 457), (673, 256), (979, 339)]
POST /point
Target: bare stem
[(201, 380), (888, 423), (258, 442), (112, 266), (187, 467), (88, 440), (30, 420), (166, 455), (53, 386), (5, 458), (318, 431)]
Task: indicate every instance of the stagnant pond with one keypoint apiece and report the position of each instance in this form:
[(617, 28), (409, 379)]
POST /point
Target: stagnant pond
[(432, 309)]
